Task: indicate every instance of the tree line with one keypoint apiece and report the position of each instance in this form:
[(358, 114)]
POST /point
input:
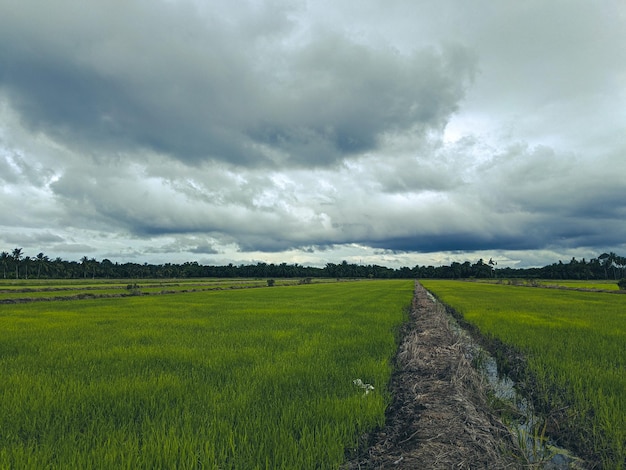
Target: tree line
[(17, 265)]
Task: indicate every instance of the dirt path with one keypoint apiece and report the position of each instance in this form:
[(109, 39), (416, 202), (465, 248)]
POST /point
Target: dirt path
[(439, 418)]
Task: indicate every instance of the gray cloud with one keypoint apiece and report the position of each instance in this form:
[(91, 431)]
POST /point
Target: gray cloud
[(201, 93), (312, 130), (33, 239), (76, 248)]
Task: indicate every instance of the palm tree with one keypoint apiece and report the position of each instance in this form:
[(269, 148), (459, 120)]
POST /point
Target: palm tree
[(17, 256), (107, 267), (59, 267), (26, 262), (609, 263), (94, 265), (4, 257), (42, 261), (85, 262)]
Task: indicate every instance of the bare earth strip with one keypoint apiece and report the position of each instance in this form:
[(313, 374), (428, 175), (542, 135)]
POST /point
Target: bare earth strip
[(439, 417)]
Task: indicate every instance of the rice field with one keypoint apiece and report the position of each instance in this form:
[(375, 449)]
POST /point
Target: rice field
[(605, 285), (229, 379), (596, 285), (25, 290), (575, 346)]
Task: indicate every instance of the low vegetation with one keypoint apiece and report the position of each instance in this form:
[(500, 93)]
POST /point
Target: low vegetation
[(246, 378), (573, 342)]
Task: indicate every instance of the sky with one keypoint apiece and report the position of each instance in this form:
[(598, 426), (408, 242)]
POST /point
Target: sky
[(397, 132)]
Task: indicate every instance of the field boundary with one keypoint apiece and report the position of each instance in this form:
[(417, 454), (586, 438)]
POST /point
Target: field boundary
[(132, 290), (547, 343), (440, 416)]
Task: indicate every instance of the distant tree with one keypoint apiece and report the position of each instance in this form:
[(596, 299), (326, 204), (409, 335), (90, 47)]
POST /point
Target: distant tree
[(606, 261), (607, 265), (405, 273), (84, 261), (42, 262), (59, 267), (17, 256), (622, 284), (94, 265), (107, 268), (26, 263), (620, 265), (344, 269), (4, 257), (613, 263), (331, 269), (481, 269)]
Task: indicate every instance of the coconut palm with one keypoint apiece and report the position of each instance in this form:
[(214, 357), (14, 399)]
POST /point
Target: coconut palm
[(42, 262), (84, 261), (4, 257), (17, 256), (27, 260)]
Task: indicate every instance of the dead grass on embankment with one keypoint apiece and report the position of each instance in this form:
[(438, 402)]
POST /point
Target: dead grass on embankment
[(439, 417)]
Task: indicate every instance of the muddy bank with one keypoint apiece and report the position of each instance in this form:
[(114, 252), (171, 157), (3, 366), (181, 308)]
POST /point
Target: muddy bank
[(439, 417)]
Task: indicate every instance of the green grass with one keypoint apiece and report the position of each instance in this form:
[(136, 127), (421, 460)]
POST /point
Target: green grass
[(575, 344), (229, 379)]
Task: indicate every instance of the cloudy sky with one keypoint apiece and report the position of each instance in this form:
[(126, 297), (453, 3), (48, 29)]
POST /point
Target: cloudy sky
[(396, 132)]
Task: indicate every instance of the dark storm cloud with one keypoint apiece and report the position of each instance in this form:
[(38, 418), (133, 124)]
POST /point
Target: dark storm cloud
[(463, 241), (543, 234), (215, 90), (343, 97)]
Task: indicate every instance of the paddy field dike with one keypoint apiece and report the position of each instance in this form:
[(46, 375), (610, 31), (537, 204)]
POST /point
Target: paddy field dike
[(566, 347)]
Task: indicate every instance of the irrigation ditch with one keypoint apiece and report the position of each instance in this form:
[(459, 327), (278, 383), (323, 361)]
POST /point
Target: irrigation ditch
[(451, 408)]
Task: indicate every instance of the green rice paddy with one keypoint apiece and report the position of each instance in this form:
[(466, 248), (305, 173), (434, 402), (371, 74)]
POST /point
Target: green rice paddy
[(229, 379), (20, 290), (594, 285)]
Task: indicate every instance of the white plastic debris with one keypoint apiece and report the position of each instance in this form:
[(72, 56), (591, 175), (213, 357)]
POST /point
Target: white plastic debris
[(367, 387)]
